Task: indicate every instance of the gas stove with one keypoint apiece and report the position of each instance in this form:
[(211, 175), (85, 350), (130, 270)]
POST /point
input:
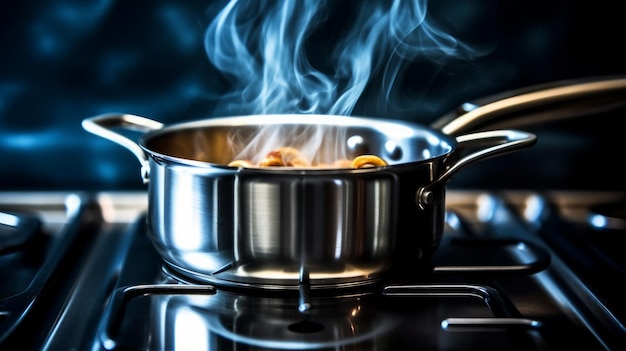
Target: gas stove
[(516, 270), (532, 251)]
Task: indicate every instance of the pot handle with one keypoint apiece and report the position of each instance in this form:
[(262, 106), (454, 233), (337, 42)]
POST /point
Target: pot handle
[(518, 105), (102, 125), (489, 144)]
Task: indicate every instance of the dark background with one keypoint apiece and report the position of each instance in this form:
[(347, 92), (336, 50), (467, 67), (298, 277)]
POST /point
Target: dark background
[(63, 61)]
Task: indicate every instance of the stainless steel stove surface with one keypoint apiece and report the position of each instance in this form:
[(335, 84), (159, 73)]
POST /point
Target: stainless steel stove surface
[(515, 271)]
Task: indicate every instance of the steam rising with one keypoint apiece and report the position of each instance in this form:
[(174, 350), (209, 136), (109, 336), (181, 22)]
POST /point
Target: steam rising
[(286, 57)]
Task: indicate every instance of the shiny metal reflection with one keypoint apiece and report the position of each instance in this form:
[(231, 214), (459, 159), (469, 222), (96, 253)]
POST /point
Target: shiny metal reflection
[(599, 221), (265, 322)]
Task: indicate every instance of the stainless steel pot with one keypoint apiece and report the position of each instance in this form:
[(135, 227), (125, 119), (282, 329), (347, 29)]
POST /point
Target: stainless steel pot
[(284, 227)]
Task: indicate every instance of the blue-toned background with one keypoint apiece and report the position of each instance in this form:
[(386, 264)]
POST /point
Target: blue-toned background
[(62, 61)]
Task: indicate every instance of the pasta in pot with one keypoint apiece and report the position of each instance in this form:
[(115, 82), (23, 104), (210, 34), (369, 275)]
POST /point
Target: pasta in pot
[(367, 161), (291, 157)]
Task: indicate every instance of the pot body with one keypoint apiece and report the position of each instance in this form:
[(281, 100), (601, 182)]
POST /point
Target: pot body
[(248, 227)]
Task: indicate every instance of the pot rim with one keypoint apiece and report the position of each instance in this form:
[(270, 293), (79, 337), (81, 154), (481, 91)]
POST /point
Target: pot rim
[(398, 129)]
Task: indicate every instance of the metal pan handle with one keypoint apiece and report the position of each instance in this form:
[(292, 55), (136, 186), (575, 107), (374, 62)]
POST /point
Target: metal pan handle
[(103, 125), (518, 105), (489, 144)]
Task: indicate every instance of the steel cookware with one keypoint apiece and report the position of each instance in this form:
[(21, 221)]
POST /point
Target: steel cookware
[(285, 227)]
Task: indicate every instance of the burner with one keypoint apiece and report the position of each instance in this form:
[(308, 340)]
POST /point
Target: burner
[(294, 281), (301, 294)]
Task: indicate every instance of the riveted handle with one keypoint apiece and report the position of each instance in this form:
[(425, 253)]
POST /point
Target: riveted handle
[(488, 144)]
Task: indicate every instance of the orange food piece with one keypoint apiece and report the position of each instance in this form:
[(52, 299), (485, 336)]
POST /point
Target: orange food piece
[(241, 163), (363, 161), (273, 159), (292, 157)]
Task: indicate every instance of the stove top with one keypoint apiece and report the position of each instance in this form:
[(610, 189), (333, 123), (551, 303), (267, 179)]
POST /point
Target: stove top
[(516, 270)]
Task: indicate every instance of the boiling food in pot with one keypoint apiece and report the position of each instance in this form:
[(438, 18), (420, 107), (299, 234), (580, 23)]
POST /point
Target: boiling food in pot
[(291, 157)]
